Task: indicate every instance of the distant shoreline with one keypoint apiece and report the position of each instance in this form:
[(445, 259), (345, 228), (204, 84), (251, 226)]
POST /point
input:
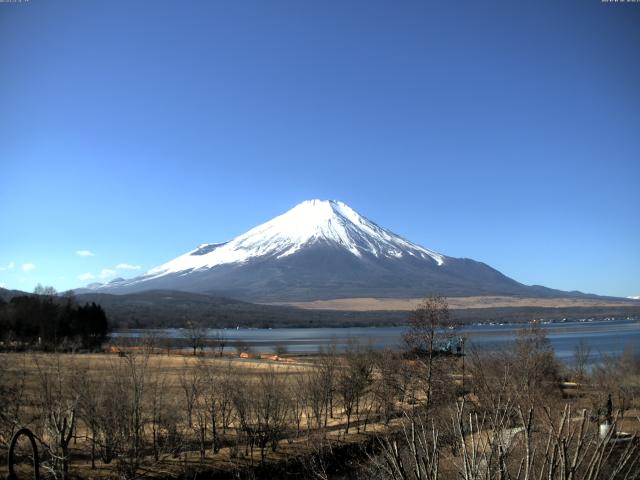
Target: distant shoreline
[(606, 336), (602, 325)]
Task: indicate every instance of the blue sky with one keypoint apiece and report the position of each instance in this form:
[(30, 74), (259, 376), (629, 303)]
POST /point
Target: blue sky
[(507, 132)]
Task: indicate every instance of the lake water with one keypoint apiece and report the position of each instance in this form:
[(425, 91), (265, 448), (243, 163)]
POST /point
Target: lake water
[(603, 337)]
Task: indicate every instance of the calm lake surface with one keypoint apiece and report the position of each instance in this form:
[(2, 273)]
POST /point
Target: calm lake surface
[(603, 337)]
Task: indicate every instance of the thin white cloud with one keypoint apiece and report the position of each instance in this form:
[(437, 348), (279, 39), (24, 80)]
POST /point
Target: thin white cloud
[(106, 273), (9, 266), (85, 253), (86, 276), (127, 266), (27, 267)]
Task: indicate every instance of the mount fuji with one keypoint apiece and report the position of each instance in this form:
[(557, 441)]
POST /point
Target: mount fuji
[(323, 249)]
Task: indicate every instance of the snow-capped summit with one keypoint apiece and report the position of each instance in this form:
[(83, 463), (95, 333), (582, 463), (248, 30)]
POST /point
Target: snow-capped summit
[(320, 249), (313, 221)]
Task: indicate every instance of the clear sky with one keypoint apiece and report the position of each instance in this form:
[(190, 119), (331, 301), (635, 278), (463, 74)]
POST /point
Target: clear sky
[(507, 132)]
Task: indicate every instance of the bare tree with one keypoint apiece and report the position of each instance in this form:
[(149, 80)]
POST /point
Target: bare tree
[(202, 409), (535, 368), (318, 463), (327, 368), (13, 414), (158, 411), (353, 381), (88, 393), (429, 336), (271, 409), (45, 291), (196, 334), (128, 383), (563, 446), (297, 395), (492, 382), (314, 386), (189, 384), (388, 388), (581, 356), (220, 341), (629, 388), (242, 394), (619, 376), (412, 454), (108, 420), (216, 399), (58, 405), (226, 379)]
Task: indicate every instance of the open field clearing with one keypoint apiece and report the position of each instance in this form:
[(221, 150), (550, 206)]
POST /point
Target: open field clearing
[(192, 411), (455, 303)]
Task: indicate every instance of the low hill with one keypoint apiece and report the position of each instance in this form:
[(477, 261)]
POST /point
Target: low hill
[(169, 308)]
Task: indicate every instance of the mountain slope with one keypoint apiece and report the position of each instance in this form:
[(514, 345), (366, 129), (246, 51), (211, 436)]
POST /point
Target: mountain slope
[(309, 223), (322, 250)]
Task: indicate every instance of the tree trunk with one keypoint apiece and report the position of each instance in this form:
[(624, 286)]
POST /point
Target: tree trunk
[(93, 448)]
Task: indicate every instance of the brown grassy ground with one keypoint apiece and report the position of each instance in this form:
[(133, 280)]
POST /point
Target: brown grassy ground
[(455, 303), (172, 367)]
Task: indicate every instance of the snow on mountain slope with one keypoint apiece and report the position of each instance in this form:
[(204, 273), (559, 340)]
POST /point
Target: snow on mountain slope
[(323, 250), (312, 221)]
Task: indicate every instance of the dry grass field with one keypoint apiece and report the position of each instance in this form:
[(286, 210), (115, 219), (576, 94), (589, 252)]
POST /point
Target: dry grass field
[(455, 303), (149, 412), (182, 380), (171, 367)]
